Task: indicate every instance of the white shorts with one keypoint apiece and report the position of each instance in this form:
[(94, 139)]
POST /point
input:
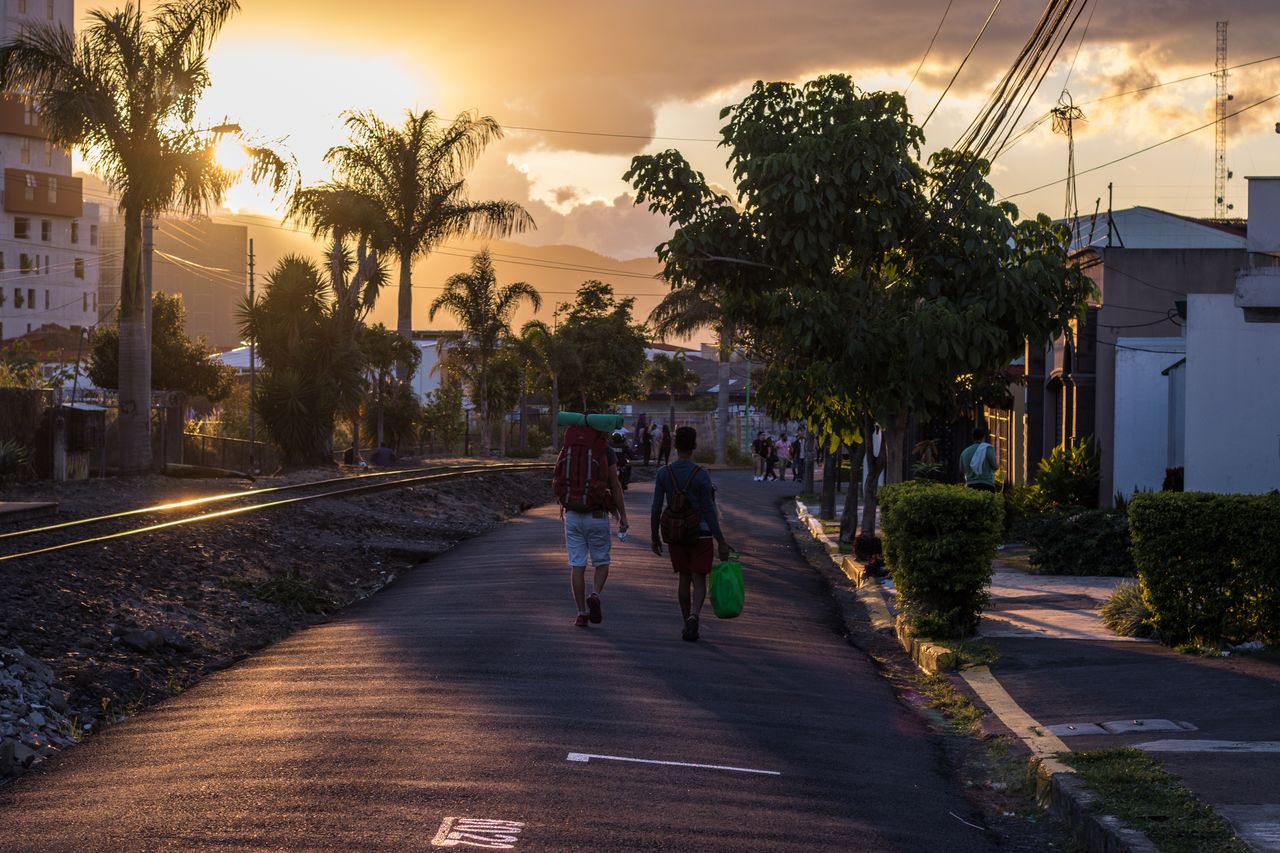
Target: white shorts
[(583, 534)]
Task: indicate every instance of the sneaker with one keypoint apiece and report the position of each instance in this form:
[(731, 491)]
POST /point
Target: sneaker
[(593, 608), (581, 621), (690, 632)]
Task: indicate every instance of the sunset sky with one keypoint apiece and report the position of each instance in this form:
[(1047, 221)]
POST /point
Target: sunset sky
[(644, 71)]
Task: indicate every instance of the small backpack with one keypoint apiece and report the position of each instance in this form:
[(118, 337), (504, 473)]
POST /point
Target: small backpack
[(680, 520), (581, 478)]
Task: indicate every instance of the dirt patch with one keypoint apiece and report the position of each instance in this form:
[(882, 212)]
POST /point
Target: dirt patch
[(125, 623)]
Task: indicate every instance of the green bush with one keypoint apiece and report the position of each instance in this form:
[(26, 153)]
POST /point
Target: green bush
[(1084, 542), (14, 461), (738, 457), (1069, 476), (939, 543), (1209, 564), (537, 438), (1125, 613), (1021, 505)]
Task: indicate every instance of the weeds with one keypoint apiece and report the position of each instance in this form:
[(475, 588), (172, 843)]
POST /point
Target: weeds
[(1125, 613), (290, 590)]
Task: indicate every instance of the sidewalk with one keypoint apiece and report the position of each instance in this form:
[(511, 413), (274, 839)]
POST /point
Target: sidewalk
[(1213, 722)]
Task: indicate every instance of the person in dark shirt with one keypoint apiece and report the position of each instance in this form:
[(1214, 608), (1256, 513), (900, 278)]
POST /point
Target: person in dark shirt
[(382, 457), (691, 562), (622, 454), (664, 446)]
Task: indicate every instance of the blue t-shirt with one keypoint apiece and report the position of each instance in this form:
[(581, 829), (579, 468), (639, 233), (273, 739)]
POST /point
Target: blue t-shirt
[(700, 492)]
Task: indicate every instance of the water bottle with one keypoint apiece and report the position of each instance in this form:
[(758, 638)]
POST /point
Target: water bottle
[(622, 536)]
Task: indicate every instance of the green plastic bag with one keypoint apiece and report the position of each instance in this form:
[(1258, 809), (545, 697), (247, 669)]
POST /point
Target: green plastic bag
[(725, 587)]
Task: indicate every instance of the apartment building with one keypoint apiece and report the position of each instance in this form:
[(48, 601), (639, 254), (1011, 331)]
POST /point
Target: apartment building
[(49, 253)]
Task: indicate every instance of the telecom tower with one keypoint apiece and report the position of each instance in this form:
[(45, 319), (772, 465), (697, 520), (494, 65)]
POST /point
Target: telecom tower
[(1220, 174)]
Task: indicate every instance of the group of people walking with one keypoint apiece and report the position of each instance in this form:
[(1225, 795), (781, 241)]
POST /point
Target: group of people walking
[(683, 516), (772, 456), (654, 437)]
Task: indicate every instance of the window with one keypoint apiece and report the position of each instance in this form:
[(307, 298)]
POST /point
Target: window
[(84, 302), (48, 153), (31, 187), (93, 235), (30, 115), (75, 231), (95, 302), (24, 263), (31, 298), (21, 228), (17, 297), (49, 10), (79, 267), (46, 299), (1, 269), (53, 190), (24, 152), (46, 264), (46, 229), (22, 7)]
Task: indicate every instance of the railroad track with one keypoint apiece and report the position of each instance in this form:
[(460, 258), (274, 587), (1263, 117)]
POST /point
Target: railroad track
[(337, 487)]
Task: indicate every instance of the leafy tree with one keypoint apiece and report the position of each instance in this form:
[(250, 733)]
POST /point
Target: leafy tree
[(869, 282), (19, 368), (179, 363), (441, 415), (604, 348), (484, 310), (690, 309), (382, 349), (668, 374), (125, 90), (412, 181), (311, 363), (551, 358)]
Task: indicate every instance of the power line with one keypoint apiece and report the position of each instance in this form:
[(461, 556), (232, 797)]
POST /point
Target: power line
[(1083, 35), (1147, 148), (929, 49), (645, 136), (960, 68)]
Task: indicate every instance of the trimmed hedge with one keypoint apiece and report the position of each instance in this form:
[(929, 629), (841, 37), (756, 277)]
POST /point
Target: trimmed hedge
[(939, 542), (1209, 565), (1084, 542)]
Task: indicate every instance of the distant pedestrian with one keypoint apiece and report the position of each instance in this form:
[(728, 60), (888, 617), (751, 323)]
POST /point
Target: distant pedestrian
[(689, 524), (979, 462), (623, 455), (759, 455), (664, 446), (586, 484), (782, 449), (770, 458), (646, 444), (797, 457)]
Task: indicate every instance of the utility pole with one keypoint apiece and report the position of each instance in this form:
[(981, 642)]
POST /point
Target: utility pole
[(253, 375), (148, 247), (1220, 174)]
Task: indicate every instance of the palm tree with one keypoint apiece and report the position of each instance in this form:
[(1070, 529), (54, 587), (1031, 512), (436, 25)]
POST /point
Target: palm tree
[(667, 374), (484, 311), (125, 91), (686, 310), (554, 356), (383, 349), (414, 177)]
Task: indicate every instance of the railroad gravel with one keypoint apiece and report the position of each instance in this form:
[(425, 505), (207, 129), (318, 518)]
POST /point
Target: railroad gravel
[(92, 635)]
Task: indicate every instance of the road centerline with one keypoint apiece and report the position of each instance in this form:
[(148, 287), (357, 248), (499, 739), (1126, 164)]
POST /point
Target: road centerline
[(584, 757)]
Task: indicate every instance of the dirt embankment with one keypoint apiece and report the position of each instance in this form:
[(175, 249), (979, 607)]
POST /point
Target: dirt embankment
[(90, 635)]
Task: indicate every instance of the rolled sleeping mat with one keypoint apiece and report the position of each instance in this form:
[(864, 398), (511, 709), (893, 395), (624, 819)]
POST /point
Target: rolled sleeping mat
[(601, 422)]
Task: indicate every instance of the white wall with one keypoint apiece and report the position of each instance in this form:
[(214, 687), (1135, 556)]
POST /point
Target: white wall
[(426, 379), (1233, 410), (1142, 412)]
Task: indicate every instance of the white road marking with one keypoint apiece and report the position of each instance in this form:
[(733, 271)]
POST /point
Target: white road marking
[(584, 757), (1174, 745), (478, 832), (1043, 744)]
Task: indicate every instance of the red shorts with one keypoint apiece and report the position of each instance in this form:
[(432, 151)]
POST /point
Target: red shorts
[(693, 558)]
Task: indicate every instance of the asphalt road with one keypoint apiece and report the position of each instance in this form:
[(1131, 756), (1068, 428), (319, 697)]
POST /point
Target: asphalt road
[(445, 709)]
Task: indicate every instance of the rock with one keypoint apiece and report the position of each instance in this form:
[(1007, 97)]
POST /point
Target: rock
[(23, 755), (8, 758), (140, 641), (175, 641), (36, 719), (58, 701)]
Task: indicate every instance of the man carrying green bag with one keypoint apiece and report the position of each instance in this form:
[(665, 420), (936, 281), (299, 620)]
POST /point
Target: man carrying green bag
[(684, 516)]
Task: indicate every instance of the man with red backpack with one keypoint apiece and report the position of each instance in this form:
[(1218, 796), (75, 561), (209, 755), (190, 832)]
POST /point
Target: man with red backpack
[(587, 486), (688, 524)]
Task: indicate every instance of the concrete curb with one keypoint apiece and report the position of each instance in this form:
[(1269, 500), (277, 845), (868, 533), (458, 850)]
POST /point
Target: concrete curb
[(1058, 789), (928, 655)]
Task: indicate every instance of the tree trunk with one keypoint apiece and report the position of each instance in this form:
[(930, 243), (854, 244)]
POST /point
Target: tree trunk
[(892, 446), (849, 518), (482, 388), (355, 438), (871, 486), (404, 310), (830, 469), (134, 379), (722, 399), (672, 423), (524, 433), (555, 410), (381, 381)]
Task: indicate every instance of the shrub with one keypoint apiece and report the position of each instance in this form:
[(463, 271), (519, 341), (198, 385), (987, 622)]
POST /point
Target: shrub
[(705, 455), (1084, 542), (939, 543), (1173, 480), (1209, 564), (1021, 505), (1069, 476), (738, 457), (14, 461), (1125, 613), (537, 438)]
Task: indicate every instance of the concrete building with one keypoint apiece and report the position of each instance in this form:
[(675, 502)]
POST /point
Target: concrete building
[(49, 250), (1144, 263)]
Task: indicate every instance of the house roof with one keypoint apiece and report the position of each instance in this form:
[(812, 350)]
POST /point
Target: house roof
[(708, 370), (1150, 228)]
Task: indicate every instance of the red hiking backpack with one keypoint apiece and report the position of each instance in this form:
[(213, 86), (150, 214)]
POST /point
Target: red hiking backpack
[(680, 520), (581, 478)]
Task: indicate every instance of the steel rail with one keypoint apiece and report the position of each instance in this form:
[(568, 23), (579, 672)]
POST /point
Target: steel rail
[(218, 498), (348, 491)]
